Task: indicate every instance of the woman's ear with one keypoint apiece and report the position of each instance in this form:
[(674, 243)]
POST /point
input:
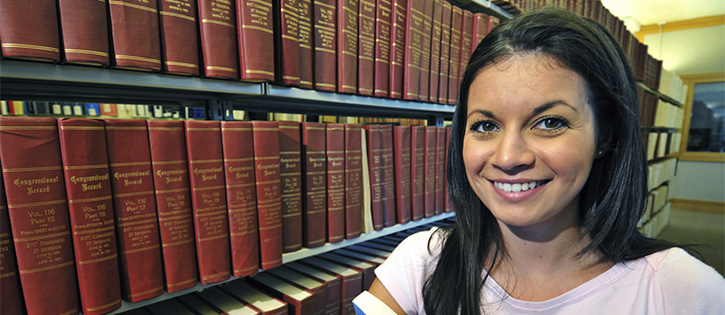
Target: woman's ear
[(603, 146)]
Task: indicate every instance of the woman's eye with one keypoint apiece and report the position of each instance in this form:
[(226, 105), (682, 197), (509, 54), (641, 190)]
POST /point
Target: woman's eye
[(551, 123), (484, 126)]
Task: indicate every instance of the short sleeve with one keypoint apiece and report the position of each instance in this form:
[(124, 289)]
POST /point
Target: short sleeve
[(689, 286)]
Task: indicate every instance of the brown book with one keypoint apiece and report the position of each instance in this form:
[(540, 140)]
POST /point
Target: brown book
[(208, 199), (135, 34), (240, 181), (335, 150), (314, 181), (353, 181), (366, 269), (306, 43), (299, 301), (388, 174), (290, 153), (38, 40), (11, 301), (375, 166), (332, 284), (445, 63), (440, 173), (466, 42), (397, 47), (480, 29), (223, 302), (135, 209), (318, 289), (173, 203), (218, 34), (446, 194), (426, 51), (350, 283), (263, 303), (455, 54), (84, 26), (414, 29), (383, 30), (324, 17), (287, 42), (366, 47), (417, 171), (402, 163), (85, 165), (256, 37), (431, 136), (435, 51), (347, 53), (179, 36), (269, 191)]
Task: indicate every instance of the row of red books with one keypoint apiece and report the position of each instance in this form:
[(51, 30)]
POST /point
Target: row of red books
[(170, 204), (401, 49)]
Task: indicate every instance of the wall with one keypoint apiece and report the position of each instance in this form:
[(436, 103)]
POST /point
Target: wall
[(704, 181)]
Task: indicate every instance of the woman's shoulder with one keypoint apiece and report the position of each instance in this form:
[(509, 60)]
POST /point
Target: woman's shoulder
[(429, 241)]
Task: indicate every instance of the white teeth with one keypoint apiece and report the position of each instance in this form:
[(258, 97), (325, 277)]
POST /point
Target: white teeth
[(508, 187), (516, 187)]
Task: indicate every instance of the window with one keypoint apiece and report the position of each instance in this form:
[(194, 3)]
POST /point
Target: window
[(704, 126)]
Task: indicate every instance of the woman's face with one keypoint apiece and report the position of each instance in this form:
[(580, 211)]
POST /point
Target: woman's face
[(529, 141)]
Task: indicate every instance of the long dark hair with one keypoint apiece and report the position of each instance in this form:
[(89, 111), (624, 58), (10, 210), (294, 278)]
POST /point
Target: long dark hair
[(615, 194)]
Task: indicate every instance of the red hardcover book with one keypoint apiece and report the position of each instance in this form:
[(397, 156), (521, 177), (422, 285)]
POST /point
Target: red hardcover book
[(480, 29), (306, 43), (135, 34), (414, 29), (287, 42), (375, 164), (492, 23), (366, 47), (256, 299), (290, 155), (388, 174), (256, 37), (239, 173), (397, 47), (173, 203), (401, 148), (347, 53), (466, 42), (41, 216), (383, 29), (366, 269), (314, 181), (85, 165), (269, 191), (324, 15), (440, 167), (84, 26), (218, 34), (332, 284), (30, 30), (435, 51), (426, 52), (135, 208), (179, 36), (12, 298), (317, 288), (350, 283), (223, 303), (335, 149), (208, 199), (448, 203), (299, 301), (353, 181), (431, 136), (455, 54), (417, 171), (446, 15)]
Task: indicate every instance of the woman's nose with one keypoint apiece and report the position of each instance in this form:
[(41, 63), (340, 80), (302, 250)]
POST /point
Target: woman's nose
[(513, 154)]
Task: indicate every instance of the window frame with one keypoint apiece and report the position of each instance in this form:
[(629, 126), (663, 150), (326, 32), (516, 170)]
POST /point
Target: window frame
[(690, 81)]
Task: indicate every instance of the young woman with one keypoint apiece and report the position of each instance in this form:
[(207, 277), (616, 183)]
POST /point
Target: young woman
[(548, 178)]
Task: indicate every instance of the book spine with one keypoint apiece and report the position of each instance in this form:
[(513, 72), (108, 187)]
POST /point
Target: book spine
[(239, 174), (376, 176), (173, 203), (397, 47), (87, 180), (455, 54), (38, 212), (290, 154), (431, 135), (413, 50), (335, 182), (269, 202), (85, 32), (448, 203), (388, 175), (208, 199), (440, 170), (435, 51), (382, 48), (366, 47), (12, 298), (255, 28), (314, 210), (347, 46), (353, 181), (306, 43), (417, 171), (39, 40), (135, 34), (401, 147), (218, 34), (324, 15), (445, 53), (287, 42), (134, 203), (466, 42), (426, 51), (179, 36), (480, 29)]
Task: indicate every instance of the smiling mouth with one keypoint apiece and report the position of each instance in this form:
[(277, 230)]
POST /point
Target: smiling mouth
[(519, 187)]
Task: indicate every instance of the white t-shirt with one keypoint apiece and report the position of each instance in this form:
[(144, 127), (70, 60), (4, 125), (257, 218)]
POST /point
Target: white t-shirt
[(667, 282)]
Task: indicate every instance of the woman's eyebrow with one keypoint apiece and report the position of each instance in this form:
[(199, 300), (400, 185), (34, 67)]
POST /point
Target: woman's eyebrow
[(549, 105), (482, 112)]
